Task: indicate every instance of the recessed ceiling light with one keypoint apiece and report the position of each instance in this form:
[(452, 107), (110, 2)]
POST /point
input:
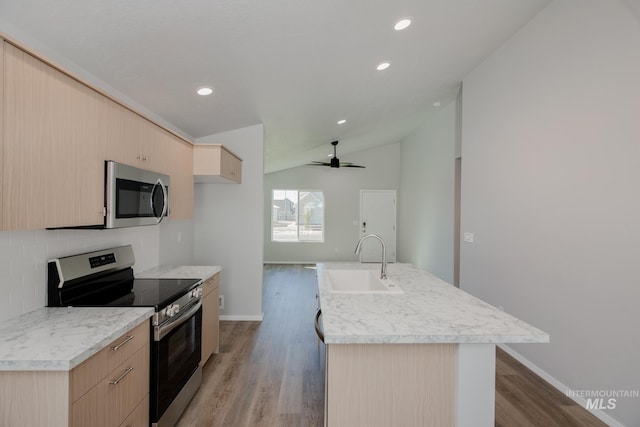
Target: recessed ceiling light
[(383, 66), (402, 24), (204, 91), (436, 104), (342, 121)]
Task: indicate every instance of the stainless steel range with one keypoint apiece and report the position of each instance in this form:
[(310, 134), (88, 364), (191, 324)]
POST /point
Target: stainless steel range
[(105, 278)]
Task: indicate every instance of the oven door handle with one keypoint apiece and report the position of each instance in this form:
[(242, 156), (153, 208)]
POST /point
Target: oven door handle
[(161, 331)]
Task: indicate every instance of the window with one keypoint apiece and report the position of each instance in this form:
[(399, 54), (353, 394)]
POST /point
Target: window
[(297, 216)]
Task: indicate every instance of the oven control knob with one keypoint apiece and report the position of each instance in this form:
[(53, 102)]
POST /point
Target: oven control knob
[(199, 292), (172, 310)]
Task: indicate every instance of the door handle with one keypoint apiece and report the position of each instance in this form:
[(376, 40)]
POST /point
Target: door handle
[(317, 325)]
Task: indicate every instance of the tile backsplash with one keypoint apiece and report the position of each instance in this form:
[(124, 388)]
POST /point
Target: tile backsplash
[(24, 256)]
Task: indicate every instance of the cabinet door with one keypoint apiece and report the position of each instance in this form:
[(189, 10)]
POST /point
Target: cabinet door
[(230, 166), (139, 142), (56, 134), (215, 164), (154, 146), (210, 317), (180, 166), (52, 124)]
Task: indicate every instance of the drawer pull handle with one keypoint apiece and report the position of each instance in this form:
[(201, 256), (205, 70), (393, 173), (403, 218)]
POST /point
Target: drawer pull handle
[(126, 340), (121, 377)]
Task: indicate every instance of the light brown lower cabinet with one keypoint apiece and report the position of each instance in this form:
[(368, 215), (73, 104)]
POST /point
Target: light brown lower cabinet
[(110, 389), (210, 317), (409, 385)]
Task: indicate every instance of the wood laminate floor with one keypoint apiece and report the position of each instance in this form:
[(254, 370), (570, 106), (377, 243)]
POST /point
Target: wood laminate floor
[(271, 373)]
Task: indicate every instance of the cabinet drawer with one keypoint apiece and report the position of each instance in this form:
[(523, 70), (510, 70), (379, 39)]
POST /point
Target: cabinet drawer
[(90, 372), (122, 390), (140, 416), (210, 284), (107, 404)]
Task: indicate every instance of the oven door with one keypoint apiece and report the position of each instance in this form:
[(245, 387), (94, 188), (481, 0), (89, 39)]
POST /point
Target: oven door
[(175, 357)]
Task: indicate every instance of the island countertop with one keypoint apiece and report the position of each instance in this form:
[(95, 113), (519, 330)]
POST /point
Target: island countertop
[(429, 310), (60, 338)]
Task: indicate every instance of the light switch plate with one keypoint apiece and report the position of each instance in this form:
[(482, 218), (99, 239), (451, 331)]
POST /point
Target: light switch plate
[(468, 237)]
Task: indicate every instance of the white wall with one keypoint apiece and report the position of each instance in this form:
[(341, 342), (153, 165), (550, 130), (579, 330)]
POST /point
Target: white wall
[(176, 242), (229, 226), (24, 256), (426, 196), (551, 169), (341, 189)]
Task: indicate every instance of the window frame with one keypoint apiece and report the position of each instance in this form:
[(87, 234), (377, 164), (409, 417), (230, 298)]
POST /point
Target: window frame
[(298, 190)]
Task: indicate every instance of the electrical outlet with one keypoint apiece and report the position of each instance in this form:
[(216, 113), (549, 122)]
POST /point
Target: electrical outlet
[(221, 302), (468, 237)]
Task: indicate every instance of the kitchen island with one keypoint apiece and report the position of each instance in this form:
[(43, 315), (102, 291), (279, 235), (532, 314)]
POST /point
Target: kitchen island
[(420, 356)]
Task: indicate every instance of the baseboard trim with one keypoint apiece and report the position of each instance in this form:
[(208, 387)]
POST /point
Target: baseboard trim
[(602, 416), (242, 317)]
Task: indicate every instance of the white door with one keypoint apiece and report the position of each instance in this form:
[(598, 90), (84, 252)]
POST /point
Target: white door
[(378, 216)]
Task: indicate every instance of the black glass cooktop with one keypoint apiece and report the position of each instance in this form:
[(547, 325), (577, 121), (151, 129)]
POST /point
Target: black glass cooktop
[(154, 292)]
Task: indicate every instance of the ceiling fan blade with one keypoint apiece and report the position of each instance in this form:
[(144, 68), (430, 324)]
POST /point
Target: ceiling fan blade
[(335, 162)]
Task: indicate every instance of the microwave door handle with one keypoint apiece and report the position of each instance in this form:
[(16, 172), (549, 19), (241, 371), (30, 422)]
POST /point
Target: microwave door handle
[(160, 184)]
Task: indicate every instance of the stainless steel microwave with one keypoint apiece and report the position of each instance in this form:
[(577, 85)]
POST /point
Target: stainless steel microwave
[(134, 196)]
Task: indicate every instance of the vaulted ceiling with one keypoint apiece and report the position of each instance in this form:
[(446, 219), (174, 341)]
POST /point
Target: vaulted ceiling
[(296, 66)]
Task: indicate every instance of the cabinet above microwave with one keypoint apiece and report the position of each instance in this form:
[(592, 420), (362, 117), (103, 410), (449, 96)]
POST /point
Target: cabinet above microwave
[(214, 163)]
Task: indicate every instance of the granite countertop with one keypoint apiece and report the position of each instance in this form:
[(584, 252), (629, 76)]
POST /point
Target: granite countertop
[(61, 338), (180, 272), (429, 310)]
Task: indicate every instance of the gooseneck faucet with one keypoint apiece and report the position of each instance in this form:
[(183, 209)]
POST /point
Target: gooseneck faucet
[(383, 271)]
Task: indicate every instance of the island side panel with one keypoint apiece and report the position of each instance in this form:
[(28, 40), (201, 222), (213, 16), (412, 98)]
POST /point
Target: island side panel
[(391, 384), (34, 398), (476, 384)]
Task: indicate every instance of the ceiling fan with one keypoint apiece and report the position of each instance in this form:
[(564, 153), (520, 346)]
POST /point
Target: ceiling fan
[(335, 162)]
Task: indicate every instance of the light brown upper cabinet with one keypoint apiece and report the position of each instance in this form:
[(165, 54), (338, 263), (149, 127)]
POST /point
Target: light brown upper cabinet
[(180, 160), (56, 132), (215, 163)]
